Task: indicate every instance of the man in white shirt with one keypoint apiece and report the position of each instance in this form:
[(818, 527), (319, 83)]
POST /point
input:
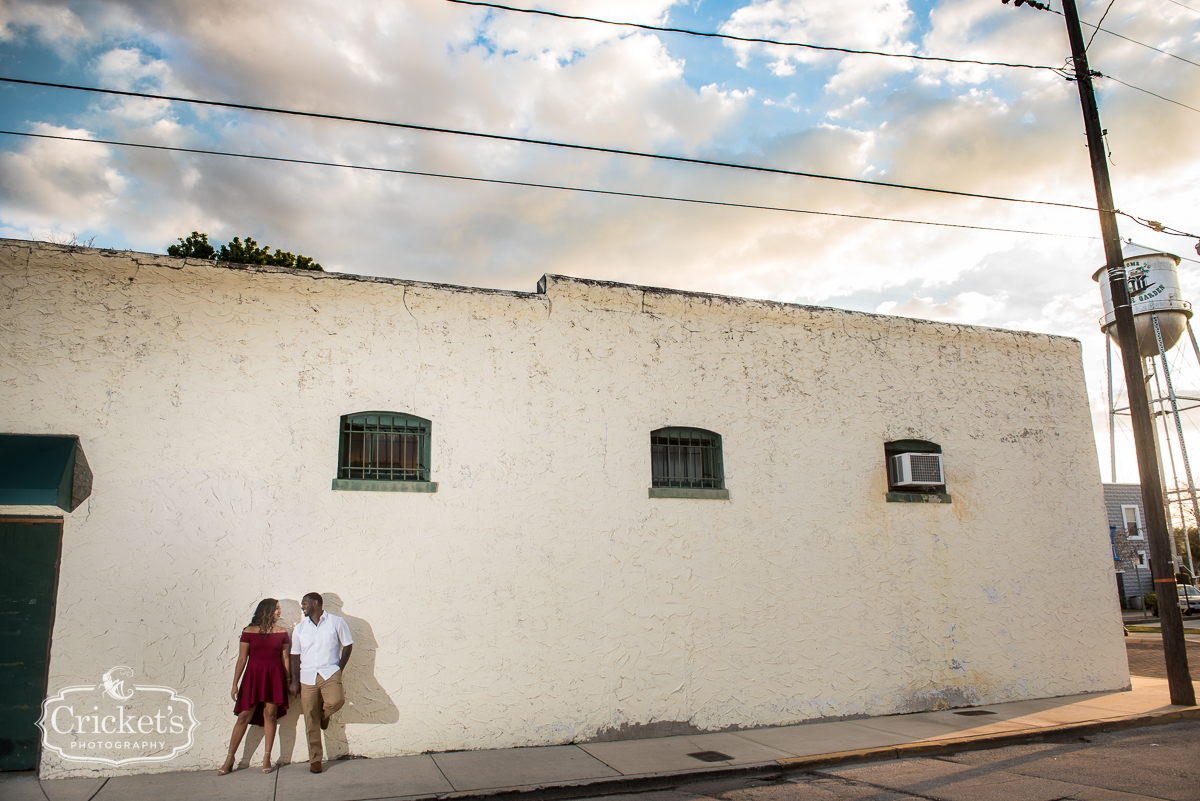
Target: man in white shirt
[(321, 646)]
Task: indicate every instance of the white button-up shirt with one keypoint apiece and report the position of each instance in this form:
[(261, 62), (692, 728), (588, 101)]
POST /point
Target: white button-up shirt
[(320, 646)]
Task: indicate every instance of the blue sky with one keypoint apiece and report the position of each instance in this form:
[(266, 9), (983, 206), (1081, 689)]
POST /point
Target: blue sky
[(977, 129)]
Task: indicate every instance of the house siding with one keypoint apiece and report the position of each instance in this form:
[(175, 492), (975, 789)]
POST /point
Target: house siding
[(1137, 579)]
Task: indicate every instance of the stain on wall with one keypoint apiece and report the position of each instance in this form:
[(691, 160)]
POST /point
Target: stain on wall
[(539, 596)]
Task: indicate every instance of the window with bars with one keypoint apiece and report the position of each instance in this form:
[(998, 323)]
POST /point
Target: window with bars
[(686, 463), (384, 451)]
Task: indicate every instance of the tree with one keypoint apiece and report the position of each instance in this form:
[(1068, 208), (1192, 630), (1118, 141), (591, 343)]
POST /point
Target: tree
[(196, 246)]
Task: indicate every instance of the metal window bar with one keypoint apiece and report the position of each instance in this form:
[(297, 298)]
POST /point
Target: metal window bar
[(384, 447), (686, 458)]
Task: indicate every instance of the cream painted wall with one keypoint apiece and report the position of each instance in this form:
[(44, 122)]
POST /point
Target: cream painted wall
[(540, 596)]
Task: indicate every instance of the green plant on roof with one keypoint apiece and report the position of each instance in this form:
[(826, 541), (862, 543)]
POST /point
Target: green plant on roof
[(196, 246)]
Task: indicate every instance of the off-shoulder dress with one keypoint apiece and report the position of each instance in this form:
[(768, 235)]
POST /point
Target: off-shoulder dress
[(265, 678)]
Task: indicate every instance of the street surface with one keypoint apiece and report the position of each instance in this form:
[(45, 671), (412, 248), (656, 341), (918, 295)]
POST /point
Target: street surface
[(1156, 762)]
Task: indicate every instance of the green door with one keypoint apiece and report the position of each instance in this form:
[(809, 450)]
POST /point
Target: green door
[(28, 582)]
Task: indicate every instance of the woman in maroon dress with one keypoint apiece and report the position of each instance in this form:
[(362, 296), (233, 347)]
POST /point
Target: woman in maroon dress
[(263, 696)]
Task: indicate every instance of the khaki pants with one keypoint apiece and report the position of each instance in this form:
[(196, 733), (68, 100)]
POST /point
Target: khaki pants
[(318, 702)]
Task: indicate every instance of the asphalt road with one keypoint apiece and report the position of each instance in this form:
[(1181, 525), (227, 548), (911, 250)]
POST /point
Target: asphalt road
[(1156, 762)]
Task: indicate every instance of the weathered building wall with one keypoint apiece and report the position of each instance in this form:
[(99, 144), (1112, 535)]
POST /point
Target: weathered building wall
[(539, 596)]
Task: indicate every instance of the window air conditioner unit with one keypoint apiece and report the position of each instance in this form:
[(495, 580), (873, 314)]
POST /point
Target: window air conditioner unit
[(916, 469)]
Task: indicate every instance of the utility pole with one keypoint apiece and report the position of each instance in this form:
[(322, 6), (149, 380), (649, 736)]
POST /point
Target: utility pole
[(1145, 442)]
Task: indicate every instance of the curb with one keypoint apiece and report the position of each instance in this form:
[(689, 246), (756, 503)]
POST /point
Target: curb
[(954, 745), (778, 768)]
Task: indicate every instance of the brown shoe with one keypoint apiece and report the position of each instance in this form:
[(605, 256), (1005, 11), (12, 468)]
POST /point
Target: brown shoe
[(315, 767), (324, 724)]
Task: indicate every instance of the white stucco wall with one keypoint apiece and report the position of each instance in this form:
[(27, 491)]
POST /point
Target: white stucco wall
[(540, 596)]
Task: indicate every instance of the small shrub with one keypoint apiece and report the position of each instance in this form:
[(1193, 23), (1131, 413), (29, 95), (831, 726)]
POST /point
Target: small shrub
[(196, 246)]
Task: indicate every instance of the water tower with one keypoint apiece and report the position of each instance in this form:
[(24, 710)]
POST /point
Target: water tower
[(1161, 316)]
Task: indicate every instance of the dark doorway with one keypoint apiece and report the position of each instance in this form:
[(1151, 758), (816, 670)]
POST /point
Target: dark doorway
[(28, 589), (1121, 589)]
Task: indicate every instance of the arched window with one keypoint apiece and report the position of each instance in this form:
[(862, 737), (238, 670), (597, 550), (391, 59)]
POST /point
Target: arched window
[(384, 451), (686, 463)]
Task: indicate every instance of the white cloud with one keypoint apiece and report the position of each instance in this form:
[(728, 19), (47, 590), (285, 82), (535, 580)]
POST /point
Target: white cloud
[(56, 185), (125, 68), (965, 307), (52, 22), (879, 25)]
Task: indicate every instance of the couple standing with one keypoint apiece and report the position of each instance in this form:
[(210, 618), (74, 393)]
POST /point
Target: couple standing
[(312, 668)]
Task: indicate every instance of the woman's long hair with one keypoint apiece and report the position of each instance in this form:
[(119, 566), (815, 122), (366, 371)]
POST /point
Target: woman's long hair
[(264, 615)]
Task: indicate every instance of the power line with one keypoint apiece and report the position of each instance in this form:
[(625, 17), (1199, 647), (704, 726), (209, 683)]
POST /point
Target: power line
[(1151, 47), (546, 143), (1095, 29), (1133, 41), (851, 51), (1189, 8), (751, 40), (531, 185), (1147, 91), (1098, 24)]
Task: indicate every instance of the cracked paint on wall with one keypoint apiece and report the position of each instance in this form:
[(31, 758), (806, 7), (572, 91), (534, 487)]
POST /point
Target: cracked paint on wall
[(539, 596)]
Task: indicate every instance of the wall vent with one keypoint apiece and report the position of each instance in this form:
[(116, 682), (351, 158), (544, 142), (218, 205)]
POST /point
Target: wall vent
[(916, 469)]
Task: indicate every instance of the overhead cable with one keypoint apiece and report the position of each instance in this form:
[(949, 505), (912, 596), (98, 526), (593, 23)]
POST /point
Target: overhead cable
[(1132, 41), (1151, 47), (531, 185), (1147, 91), (548, 143), (749, 39), (1096, 30), (1155, 225), (806, 45), (1189, 8)]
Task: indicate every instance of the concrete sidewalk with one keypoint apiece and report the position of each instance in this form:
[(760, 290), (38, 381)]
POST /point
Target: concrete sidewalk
[(636, 765)]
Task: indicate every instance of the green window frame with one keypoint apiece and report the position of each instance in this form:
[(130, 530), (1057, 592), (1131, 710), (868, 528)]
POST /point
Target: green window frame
[(384, 452), (687, 463)]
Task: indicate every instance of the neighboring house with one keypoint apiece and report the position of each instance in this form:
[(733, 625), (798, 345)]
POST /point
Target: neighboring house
[(588, 512), (1131, 552)]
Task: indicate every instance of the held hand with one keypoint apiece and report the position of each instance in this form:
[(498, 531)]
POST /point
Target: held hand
[(234, 692), (294, 688)]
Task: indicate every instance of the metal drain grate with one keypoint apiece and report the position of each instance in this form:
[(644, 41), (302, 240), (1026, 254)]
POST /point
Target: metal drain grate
[(711, 756), (973, 712)]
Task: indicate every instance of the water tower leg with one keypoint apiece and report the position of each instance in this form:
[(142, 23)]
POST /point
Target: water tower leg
[(1112, 412), (1195, 347), (1158, 411), (1164, 414), (1187, 468)]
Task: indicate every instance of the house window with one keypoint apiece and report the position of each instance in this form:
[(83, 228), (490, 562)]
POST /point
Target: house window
[(384, 452), (914, 472), (686, 463), (1131, 517), (1140, 559)]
